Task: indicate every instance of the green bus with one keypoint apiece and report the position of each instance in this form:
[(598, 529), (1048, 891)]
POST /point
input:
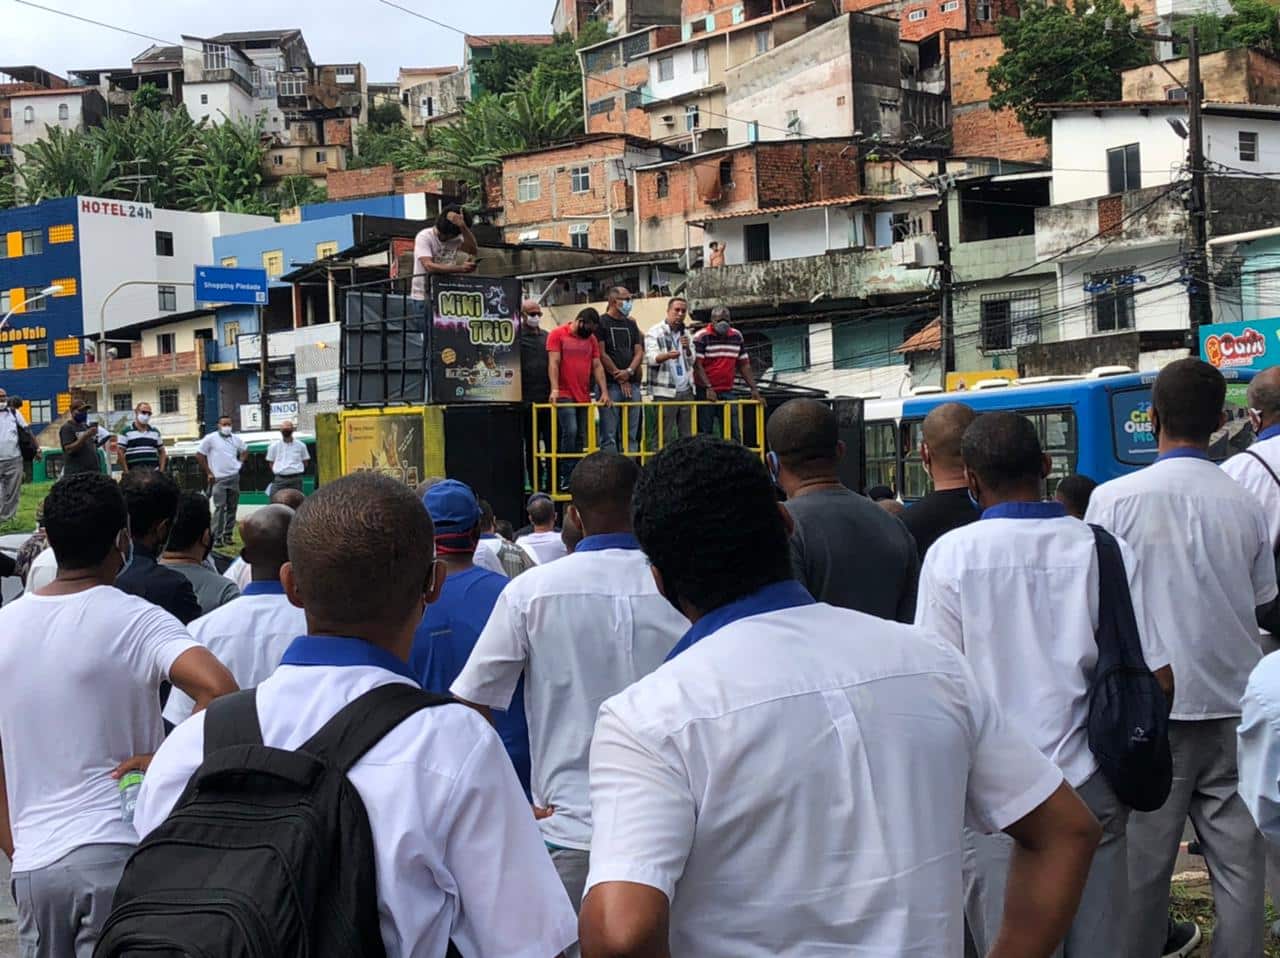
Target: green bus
[(254, 477)]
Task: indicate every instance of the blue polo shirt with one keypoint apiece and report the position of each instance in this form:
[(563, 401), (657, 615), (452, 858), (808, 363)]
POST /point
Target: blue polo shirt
[(443, 643)]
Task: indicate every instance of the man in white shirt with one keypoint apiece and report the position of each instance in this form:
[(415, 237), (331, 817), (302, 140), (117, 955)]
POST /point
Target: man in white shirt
[(995, 589), (288, 459), (10, 459), (794, 779), (671, 360), (239, 571), (495, 553), (1203, 546), (1258, 468), (445, 248), (544, 543), (83, 664), (457, 854), (222, 455), (580, 630), (249, 635)]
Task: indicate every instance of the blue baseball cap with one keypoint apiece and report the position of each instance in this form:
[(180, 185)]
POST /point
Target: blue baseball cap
[(453, 509)]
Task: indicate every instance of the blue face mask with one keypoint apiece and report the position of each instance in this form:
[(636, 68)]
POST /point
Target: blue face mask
[(81, 417), (625, 308), (974, 499), (127, 558)]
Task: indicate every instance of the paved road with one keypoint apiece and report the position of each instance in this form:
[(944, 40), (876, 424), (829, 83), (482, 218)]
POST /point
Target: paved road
[(8, 930)]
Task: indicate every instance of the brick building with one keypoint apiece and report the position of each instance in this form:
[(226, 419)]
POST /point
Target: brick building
[(615, 75), (1242, 75), (387, 181), (976, 129), (577, 194)]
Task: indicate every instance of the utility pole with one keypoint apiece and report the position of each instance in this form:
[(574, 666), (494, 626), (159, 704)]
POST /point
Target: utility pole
[(942, 229), (264, 398), (1198, 291)]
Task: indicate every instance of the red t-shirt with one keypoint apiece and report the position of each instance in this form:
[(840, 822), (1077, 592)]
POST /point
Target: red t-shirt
[(720, 356), (576, 358)]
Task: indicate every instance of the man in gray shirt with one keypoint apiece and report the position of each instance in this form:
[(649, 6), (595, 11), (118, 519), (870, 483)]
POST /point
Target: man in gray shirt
[(188, 548), (845, 549)]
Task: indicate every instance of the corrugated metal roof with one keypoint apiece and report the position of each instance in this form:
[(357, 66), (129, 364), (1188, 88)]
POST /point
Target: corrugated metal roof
[(524, 39)]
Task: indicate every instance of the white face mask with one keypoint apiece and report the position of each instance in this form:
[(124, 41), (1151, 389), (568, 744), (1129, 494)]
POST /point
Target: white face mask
[(144, 417), (225, 430)]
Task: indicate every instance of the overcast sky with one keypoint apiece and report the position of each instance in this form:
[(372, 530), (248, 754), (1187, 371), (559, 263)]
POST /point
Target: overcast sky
[(337, 31)]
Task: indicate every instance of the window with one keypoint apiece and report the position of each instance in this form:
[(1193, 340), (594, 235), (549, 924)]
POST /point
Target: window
[(204, 99), (1059, 440), (755, 242), (762, 40), (32, 242), (37, 355), (168, 296), (1010, 320), (7, 113), (882, 454), (1112, 299), (346, 75), (726, 172), (666, 69), (983, 11), (313, 390), (580, 179), (579, 236), (664, 186), (168, 401), (4, 301), (692, 117), (1248, 147), (122, 402), (917, 15), (28, 114), (634, 99), (6, 358), (1124, 169), (291, 84), (277, 159), (216, 56), (602, 106), (635, 45), (529, 188), (621, 240), (166, 344), (273, 263), (35, 303), (41, 410), (231, 262), (325, 250), (428, 106), (753, 131), (1176, 93), (950, 6), (322, 156), (229, 333), (700, 63), (164, 243), (64, 112)]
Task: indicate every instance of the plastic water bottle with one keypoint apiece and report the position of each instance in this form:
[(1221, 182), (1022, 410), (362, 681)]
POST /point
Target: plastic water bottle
[(130, 785)]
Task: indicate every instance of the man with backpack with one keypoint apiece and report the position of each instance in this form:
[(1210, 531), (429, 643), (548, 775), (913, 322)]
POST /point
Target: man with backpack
[(1018, 594), (335, 811), (12, 426), (1203, 545)]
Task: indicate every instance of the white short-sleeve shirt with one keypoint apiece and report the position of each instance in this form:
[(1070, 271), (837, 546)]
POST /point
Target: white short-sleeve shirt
[(288, 458), (82, 676), (1205, 561), (223, 453), (1017, 593), (797, 782), (580, 630), (1258, 749), (1253, 475), (428, 245), (248, 635), (457, 852), (543, 547)]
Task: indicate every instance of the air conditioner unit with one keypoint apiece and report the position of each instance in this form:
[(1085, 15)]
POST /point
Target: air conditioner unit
[(668, 119), (916, 252)]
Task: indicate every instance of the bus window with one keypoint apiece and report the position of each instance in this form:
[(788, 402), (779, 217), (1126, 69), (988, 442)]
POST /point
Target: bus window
[(1131, 429), (882, 454), (1060, 439), (915, 482)]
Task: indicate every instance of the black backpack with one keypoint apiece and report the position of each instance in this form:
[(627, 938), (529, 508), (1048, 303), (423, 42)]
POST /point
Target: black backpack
[(268, 853), (1128, 711), (27, 444)]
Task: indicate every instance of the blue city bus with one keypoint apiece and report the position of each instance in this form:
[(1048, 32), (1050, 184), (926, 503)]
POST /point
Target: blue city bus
[(1098, 425)]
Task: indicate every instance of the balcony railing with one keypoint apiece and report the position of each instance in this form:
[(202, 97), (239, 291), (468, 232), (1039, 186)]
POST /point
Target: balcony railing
[(137, 369)]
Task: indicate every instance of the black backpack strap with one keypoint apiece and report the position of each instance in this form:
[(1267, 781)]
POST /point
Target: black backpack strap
[(1116, 619), (1265, 465), (361, 724), (232, 720)]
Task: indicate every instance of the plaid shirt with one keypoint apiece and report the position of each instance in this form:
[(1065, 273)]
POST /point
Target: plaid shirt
[(675, 376)]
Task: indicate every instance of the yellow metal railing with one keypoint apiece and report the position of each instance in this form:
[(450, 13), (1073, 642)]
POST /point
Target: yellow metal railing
[(663, 421)]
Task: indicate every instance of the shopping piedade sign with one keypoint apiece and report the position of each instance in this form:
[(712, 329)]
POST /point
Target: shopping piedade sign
[(1253, 345)]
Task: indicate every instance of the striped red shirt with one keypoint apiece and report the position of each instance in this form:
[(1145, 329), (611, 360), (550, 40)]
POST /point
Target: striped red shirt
[(719, 356)]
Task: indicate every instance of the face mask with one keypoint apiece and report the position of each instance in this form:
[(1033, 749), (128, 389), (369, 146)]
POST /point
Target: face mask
[(126, 558), (584, 332), (287, 434), (144, 418), (625, 308), (722, 329), (81, 418), (533, 321), (225, 430), (974, 499)]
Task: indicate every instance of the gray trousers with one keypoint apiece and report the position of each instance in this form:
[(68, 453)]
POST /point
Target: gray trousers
[(1205, 778), (226, 497), (1099, 926), (10, 488), (285, 482), (62, 907), (572, 865)]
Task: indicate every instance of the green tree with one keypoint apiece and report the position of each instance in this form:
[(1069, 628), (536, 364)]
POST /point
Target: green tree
[(155, 149), (1254, 23), (385, 115), (506, 66), (8, 186), (1055, 53), (149, 97), (228, 172), (295, 191), (67, 163)]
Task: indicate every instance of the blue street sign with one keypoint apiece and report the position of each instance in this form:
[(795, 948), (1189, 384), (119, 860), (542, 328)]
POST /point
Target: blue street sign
[(220, 284)]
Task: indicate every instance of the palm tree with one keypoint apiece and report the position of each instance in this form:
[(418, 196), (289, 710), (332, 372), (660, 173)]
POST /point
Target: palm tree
[(67, 163)]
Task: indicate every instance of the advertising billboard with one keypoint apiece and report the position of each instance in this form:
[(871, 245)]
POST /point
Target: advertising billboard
[(390, 443), (1253, 345), (474, 353)]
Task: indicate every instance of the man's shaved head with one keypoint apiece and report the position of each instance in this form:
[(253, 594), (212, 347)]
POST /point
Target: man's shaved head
[(602, 487), (362, 549), (1264, 394), (805, 435), (293, 498), (266, 541), (942, 431)]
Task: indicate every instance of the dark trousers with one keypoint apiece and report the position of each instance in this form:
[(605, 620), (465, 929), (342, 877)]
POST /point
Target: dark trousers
[(537, 470), (573, 438)]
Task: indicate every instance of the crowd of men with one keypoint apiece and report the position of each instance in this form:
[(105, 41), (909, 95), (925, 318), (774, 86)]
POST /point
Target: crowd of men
[(728, 708)]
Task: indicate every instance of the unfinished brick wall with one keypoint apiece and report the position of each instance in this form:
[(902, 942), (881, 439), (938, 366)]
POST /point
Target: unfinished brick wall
[(337, 132), (356, 184), (976, 130), (935, 19), (614, 84), (556, 199), (799, 172)]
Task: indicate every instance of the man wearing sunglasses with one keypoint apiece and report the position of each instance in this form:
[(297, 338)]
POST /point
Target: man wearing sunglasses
[(535, 388)]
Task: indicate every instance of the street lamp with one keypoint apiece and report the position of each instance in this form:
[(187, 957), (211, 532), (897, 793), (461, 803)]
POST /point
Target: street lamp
[(53, 290)]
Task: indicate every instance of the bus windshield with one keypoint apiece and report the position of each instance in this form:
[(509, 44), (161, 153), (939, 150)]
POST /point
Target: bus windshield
[(1131, 429)]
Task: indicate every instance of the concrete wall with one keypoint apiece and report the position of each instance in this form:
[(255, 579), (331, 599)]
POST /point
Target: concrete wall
[(226, 101), (84, 108), (1160, 301), (684, 77), (791, 235)]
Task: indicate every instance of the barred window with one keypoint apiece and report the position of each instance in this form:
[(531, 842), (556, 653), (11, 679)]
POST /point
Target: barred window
[(1010, 320), (602, 106)]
